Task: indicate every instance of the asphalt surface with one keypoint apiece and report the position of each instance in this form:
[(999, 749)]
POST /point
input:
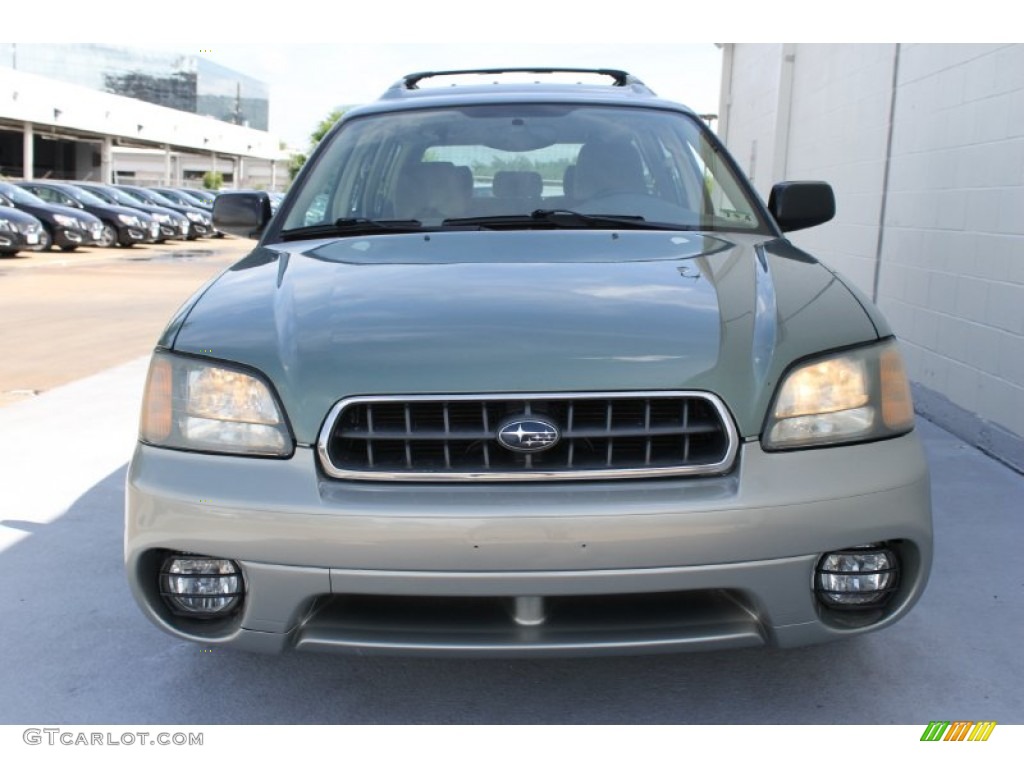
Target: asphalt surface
[(77, 650), (69, 315)]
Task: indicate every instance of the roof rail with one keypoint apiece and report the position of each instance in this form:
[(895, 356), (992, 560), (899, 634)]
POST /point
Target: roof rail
[(620, 78)]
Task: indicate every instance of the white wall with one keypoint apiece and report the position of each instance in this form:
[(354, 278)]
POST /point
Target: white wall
[(950, 259), (747, 126), (952, 274), (838, 132)]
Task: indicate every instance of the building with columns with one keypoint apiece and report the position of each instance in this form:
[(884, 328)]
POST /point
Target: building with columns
[(113, 114)]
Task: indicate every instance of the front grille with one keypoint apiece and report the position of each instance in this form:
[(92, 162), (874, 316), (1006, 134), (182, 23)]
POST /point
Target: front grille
[(601, 435), (569, 624)]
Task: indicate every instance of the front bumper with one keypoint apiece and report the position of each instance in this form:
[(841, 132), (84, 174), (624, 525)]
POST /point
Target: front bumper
[(199, 229), (11, 240), (129, 234), (66, 237), (621, 567)]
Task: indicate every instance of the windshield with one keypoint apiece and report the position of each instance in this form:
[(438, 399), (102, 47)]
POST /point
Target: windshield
[(86, 198), (103, 194), (173, 196), (159, 199), (198, 195), (21, 196), (439, 166), (149, 196), (121, 196), (136, 197)]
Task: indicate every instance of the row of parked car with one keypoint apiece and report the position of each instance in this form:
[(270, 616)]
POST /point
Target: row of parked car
[(38, 215)]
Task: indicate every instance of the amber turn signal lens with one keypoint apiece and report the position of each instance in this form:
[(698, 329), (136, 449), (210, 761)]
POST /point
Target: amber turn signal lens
[(897, 405), (156, 403)]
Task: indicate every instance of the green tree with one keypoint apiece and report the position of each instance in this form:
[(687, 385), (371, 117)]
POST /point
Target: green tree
[(299, 158), (213, 180)]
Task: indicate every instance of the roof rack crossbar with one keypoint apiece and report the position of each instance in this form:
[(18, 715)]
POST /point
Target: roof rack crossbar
[(619, 77)]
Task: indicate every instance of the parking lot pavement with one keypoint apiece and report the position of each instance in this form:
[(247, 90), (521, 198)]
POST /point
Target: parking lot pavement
[(77, 650), (66, 316)]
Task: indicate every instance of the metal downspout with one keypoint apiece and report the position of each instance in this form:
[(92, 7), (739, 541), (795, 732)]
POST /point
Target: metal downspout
[(885, 178)]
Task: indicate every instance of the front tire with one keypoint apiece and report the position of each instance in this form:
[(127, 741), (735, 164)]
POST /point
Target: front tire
[(108, 236), (45, 240)]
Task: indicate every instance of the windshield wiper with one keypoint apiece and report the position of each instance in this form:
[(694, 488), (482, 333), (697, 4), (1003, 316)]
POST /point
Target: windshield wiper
[(564, 218), (358, 226)]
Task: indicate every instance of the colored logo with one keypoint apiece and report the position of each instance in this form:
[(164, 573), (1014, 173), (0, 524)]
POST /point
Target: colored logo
[(528, 435), (958, 730)]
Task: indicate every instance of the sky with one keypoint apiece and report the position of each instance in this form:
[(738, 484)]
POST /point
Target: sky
[(319, 54), (308, 80)]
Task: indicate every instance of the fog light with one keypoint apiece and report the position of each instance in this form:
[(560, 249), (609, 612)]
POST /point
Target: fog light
[(201, 587), (856, 578)]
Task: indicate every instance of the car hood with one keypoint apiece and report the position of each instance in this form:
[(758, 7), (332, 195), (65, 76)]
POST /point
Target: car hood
[(19, 217), (117, 208), (485, 312), (156, 210), (47, 211)]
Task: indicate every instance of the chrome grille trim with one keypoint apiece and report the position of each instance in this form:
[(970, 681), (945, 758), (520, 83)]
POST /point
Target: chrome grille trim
[(375, 435)]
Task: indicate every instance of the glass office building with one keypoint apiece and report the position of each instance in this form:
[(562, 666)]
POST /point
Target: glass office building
[(179, 81)]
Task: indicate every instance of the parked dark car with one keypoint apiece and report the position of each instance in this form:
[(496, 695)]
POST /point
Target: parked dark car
[(200, 221), (203, 197), (18, 230), (184, 198), (67, 228), (173, 225), (121, 225)]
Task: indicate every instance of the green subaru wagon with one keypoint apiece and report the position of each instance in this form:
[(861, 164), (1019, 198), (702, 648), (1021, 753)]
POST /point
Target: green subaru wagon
[(526, 368)]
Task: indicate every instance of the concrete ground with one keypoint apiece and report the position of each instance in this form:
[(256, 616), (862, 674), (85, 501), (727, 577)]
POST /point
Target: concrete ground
[(77, 650)]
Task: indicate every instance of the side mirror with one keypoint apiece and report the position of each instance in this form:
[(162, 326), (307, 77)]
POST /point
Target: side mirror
[(243, 214), (801, 204)]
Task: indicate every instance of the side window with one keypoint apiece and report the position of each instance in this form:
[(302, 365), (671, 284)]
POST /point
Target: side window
[(46, 194)]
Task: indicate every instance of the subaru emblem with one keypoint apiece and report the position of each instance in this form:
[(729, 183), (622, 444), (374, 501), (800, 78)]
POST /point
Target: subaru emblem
[(528, 435)]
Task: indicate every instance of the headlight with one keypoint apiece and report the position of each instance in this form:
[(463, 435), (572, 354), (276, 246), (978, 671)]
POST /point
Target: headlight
[(853, 396), (66, 221), (196, 405), (131, 221), (162, 218), (193, 216), (5, 225)]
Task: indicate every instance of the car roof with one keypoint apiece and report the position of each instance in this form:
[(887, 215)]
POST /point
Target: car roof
[(621, 89), (43, 183)]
